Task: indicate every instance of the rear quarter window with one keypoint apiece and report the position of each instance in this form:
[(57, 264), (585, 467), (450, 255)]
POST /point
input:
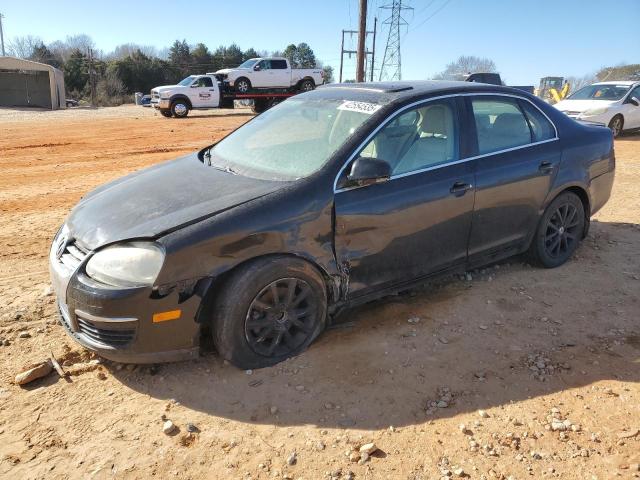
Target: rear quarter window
[(541, 127)]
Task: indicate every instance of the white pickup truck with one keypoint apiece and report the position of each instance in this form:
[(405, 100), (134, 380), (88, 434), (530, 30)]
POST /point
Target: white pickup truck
[(275, 72)]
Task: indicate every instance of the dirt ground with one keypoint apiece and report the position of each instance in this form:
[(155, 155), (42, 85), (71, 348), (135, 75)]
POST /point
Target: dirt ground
[(469, 378)]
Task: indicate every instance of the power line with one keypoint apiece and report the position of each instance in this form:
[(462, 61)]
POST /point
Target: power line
[(432, 15)]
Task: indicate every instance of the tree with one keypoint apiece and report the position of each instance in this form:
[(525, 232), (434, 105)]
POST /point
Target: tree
[(23, 47), (42, 54), (250, 53), (328, 73), (465, 65), (202, 58), (619, 72), (75, 71), (300, 56), (576, 83), (180, 56)]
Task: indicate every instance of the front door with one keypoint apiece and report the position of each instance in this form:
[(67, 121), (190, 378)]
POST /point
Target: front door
[(632, 112), (417, 222), (262, 75), (203, 94), (518, 158)]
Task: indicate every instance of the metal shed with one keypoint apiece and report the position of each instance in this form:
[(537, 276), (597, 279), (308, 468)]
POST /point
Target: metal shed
[(24, 83)]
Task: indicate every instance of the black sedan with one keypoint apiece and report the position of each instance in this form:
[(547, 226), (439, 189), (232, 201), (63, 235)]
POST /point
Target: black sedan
[(333, 198)]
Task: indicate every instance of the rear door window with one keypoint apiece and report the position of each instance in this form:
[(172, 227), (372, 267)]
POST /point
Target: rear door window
[(278, 64), (500, 124)]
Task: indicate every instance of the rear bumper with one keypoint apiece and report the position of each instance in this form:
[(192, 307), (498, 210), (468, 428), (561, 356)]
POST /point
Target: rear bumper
[(600, 190)]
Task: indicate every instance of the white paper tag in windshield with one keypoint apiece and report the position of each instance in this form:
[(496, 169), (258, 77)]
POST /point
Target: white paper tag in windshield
[(361, 107)]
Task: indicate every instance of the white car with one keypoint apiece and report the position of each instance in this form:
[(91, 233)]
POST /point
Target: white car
[(270, 73), (616, 104)]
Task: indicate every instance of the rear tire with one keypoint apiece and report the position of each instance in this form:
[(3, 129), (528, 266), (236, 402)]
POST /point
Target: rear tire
[(559, 232), (269, 310), (307, 86), (616, 125), (166, 113), (179, 108)]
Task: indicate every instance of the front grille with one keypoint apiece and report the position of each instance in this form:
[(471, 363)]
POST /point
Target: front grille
[(110, 337), (72, 256), (155, 95)]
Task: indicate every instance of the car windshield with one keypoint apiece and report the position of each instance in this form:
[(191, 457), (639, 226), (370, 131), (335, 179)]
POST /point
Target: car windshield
[(187, 81), (600, 92), (248, 63), (292, 140)]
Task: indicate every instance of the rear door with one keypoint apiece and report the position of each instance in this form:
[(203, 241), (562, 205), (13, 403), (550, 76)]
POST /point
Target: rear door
[(517, 160), (281, 73), (418, 221)]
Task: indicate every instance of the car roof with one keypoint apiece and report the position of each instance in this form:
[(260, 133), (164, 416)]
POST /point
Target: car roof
[(403, 90), (620, 82)]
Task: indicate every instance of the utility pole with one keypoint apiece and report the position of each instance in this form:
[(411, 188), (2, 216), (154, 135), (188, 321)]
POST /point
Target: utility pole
[(391, 63), (2, 35), (341, 57), (92, 84), (362, 36), (373, 50), (355, 52)]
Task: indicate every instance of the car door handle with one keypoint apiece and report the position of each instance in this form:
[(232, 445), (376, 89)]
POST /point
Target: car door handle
[(545, 168), (460, 188)]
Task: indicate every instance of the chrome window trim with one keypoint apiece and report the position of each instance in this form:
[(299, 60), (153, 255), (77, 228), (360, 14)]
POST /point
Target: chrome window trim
[(434, 167)]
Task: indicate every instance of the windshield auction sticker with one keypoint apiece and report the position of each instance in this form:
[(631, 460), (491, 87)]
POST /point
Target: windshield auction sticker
[(361, 107)]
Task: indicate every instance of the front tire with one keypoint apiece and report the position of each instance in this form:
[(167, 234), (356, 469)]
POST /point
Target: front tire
[(559, 232), (616, 124), (268, 311), (242, 85), (179, 108)]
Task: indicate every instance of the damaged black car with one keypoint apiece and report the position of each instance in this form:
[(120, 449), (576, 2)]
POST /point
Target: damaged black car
[(332, 198)]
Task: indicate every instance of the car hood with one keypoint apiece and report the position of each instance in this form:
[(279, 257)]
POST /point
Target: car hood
[(225, 71), (160, 199), (164, 87), (582, 105)]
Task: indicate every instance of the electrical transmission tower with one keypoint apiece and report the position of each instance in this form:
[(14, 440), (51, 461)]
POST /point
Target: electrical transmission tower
[(391, 68)]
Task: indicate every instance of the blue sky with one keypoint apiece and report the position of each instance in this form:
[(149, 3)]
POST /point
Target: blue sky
[(527, 39)]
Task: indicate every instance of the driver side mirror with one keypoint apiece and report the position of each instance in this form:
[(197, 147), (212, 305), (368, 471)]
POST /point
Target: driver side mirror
[(256, 68), (635, 101), (367, 171), (195, 85)]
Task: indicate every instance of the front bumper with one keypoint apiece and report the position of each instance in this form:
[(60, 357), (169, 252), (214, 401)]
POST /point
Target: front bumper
[(118, 323), (161, 103)]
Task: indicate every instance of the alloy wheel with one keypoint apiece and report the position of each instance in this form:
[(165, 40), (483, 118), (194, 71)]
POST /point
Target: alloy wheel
[(281, 317), (561, 233), (243, 86)]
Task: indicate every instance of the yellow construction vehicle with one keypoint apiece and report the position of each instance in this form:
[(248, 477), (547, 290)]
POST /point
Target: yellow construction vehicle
[(553, 89)]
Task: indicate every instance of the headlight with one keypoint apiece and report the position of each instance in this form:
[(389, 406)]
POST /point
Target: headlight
[(127, 265), (593, 111), (165, 94)]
